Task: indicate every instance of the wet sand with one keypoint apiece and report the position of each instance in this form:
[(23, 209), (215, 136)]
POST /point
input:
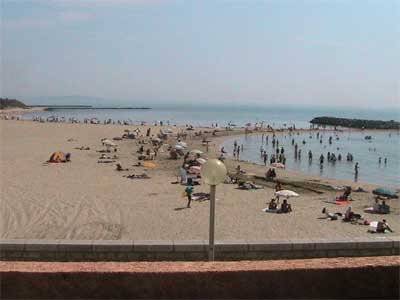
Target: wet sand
[(87, 200)]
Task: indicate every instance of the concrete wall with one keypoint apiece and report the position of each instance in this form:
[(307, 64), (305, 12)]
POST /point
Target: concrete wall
[(103, 250), (372, 277)]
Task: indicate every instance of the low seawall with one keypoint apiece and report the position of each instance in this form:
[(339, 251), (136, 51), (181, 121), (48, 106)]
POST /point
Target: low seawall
[(342, 278), (166, 250)]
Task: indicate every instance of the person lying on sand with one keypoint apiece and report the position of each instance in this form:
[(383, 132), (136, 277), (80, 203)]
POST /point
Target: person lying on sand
[(331, 216), (82, 148), (141, 176), (249, 186), (120, 168), (105, 161)]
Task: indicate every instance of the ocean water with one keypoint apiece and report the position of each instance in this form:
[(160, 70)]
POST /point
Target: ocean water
[(365, 152), (276, 116), (280, 117)]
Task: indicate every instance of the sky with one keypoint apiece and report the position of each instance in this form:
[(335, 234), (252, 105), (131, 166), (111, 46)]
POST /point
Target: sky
[(326, 52)]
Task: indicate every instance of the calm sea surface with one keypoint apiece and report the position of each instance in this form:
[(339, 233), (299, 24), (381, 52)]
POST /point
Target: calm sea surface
[(365, 152)]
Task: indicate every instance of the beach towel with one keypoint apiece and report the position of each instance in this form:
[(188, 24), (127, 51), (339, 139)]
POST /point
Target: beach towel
[(342, 202), (267, 210), (337, 202)]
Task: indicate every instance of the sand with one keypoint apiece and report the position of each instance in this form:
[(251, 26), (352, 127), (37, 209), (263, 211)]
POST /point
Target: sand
[(87, 200)]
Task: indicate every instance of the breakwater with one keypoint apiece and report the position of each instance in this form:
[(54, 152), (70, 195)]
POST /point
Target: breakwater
[(355, 123)]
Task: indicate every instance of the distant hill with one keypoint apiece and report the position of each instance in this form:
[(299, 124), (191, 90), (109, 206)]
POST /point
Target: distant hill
[(68, 100), (11, 103)]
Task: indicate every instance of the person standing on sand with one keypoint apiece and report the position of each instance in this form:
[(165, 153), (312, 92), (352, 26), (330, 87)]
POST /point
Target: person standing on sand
[(265, 158), (189, 191), (356, 167)]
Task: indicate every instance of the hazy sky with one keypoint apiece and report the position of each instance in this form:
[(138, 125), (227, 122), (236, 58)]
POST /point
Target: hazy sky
[(282, 52)]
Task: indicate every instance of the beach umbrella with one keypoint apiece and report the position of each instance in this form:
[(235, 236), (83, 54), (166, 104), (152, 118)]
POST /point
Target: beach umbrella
[(286, 193), (183, 144), (386, 192), (194, 170), (196, 151), (278, 165), (201, 161), (107, 142)]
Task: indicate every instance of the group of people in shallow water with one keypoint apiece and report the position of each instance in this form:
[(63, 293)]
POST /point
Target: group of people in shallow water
[(279, 152)]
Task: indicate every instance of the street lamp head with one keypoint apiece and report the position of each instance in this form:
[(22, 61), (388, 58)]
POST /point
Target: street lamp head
[(213, 172)]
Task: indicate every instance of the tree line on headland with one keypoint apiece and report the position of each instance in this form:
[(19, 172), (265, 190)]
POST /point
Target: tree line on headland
[(355, 123), (11, 103)]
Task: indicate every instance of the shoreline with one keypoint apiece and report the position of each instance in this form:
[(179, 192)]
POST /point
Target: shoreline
[(225, 135)]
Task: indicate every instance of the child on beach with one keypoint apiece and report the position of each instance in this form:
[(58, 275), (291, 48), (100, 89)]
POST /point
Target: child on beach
[(189, 192)]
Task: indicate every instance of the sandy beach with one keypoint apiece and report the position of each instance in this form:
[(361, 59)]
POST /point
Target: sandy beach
[(89, 200)]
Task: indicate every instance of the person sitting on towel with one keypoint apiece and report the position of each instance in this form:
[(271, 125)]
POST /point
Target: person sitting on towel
[(382, 226), (285, 207), (384, 208), (348, 215), (345, 195), (272, 205)]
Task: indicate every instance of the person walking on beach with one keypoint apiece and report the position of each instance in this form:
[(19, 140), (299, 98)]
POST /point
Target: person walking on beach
[(356, 167), (380, 160), (321, 159), (385, 161), (189, 192), (265, 158), (238, 153)]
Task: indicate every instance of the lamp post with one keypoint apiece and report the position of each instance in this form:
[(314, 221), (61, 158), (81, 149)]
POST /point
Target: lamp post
[(213, 172)]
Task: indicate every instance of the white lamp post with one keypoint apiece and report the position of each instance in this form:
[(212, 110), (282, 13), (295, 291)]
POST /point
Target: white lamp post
[(213, 172)]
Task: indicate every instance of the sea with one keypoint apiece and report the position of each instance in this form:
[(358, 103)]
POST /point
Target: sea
[(384, 144)]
